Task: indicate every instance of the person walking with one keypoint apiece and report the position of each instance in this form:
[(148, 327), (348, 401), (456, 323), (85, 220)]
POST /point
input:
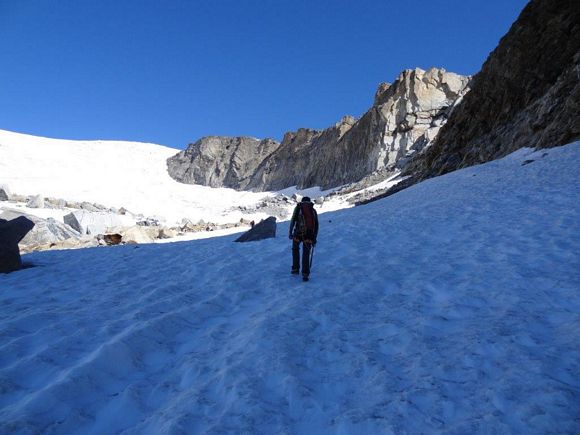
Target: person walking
[(303, 229)]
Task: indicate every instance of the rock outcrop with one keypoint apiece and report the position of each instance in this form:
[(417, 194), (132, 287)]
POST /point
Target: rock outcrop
[(262, 230), (36, 201), (221, 161), (45, 231), (4, 193), (403, 120), (527, 94), (88, 222)]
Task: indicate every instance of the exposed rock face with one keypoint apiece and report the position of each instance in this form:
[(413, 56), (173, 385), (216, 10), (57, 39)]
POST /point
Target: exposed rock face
[(527, 94), (11, 233), (263, 230), (221, 161), (404, 119)]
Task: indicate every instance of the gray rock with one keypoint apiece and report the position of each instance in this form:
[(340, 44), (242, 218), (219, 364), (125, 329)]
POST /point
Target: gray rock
[(11, 233), (89, 207), (4, 193), (36, 201), (265, 229), (297, 197), (18, 198), (45, 231), (150, 221), (73, 204), (55, 203), (168, 233), (138, 234), (221, 161), (86, 222), (278, 206)]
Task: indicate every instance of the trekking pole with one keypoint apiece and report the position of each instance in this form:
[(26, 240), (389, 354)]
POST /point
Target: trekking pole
[(311, 257)]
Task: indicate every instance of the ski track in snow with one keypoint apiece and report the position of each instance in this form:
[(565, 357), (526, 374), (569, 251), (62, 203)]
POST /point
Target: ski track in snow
[(451, 307)]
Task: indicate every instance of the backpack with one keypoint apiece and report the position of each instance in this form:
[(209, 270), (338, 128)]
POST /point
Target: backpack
[(305, 220)]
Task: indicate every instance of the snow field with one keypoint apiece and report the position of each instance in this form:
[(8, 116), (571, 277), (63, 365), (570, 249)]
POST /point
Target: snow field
[(119, 174), (450, 307), (114, 173)]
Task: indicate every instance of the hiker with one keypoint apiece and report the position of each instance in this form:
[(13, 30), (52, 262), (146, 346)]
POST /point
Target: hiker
[(303, 229)]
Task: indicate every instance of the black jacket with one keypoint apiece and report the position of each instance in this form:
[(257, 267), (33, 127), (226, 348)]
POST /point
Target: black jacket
[(294, 221)]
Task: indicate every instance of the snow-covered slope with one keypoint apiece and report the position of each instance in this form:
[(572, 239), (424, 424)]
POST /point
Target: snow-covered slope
[(450, 307), (117, 174)]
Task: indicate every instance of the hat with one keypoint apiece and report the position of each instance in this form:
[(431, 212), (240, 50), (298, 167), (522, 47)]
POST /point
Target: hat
[(306, 199)]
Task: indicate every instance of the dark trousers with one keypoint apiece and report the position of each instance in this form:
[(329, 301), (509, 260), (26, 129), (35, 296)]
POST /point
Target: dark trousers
[(305, 256)]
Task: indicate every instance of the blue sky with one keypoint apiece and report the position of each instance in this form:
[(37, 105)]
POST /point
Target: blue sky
[(172, 71)]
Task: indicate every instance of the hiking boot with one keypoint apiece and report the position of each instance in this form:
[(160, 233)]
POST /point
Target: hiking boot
[(295, 271), (304, 277)]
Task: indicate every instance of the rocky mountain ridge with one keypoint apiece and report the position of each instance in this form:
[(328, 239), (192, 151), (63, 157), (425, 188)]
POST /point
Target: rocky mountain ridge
[(527, 94), (404, 119)]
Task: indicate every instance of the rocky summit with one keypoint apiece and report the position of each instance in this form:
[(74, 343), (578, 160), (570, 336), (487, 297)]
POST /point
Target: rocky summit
[(404, 119), (527, 94)]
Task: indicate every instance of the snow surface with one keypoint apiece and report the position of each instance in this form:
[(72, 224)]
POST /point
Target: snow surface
[(450, 307), (116, 174)]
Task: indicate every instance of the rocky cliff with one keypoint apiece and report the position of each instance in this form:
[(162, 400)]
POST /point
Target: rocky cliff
[(405, 118), (527, 94), (218, 161)]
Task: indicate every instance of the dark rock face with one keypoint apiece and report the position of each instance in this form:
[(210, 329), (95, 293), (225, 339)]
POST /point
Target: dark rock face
[(12, 232), (527, 94), (262, 230), (404, 119)]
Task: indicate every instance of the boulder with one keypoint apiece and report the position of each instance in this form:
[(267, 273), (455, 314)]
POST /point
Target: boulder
[(86, 222), (112, 239), (45, 231), (297, 197), (168, 233), (85, 242), (4, 193), (151, 221), (55, 203), (89, 207), (72, 204), (18, 198), (265, 229), (36, 201), (11, 233), (139, 234)]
